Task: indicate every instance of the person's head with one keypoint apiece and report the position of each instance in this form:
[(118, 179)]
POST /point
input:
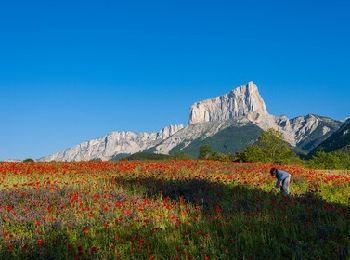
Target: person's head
[(273, 171)]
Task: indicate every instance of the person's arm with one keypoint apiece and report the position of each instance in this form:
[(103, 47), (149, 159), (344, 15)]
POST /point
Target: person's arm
[(278, 184)]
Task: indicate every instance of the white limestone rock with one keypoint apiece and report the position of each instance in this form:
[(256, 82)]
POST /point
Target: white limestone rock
[(238, 103), (12, 160), (168, 131), (190, 133), (113, 144)]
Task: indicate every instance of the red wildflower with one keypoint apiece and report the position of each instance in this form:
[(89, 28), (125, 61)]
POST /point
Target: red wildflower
[(86, 231), (93, 250), (80, 249), (70, 247), (218, 209), (40, 242), (10, 247), (141, 242)]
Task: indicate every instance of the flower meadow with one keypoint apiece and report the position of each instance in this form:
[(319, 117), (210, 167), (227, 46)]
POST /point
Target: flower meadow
[(171, 210)]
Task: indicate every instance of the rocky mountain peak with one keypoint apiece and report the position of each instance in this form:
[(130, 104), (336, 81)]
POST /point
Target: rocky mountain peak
[(170, 130), (239, 102)]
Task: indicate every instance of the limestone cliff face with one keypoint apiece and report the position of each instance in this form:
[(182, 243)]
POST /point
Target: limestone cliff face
[(242, 103), (305, 125), (113, 144), (238, 103), (245, 102), (168, 131), (305, 129)]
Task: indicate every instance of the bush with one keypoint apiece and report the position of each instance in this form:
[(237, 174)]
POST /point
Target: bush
[(205, 152), (181, 156), (270, 148), (147, 156), (222, 157), (330, 161), (29, 160)]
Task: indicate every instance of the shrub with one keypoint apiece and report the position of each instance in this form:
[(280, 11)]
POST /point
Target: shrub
[(181, 156), (29, 160), (332, 161), (205, 152), (147, 156), (270, 148)]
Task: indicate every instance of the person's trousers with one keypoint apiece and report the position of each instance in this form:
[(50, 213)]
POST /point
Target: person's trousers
[(285, 185)]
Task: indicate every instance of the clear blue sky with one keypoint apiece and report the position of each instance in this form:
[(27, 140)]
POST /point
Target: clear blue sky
[(74, 70)]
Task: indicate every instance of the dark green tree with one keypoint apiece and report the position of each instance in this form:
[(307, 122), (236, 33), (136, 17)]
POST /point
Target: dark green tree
[(205, 152), (270, 148)]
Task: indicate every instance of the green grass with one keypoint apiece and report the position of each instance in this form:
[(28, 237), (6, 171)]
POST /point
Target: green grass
[(172, 210)]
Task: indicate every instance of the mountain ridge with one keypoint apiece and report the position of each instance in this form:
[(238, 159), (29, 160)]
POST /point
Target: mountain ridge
[(242, 105), (112, 144), (338, 141)]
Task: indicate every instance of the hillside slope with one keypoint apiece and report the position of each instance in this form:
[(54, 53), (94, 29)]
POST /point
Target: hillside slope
[(339, 140)]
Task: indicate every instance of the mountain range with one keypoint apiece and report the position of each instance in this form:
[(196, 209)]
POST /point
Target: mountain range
[(338, 141), (229, 123)]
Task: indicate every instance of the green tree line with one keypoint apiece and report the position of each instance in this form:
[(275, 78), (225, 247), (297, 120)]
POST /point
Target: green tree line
[(271, 148)]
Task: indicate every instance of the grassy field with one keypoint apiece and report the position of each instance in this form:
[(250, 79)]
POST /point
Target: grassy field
[(171, 210)]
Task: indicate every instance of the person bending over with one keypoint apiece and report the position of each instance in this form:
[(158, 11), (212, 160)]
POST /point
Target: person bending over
[(283, 180)]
